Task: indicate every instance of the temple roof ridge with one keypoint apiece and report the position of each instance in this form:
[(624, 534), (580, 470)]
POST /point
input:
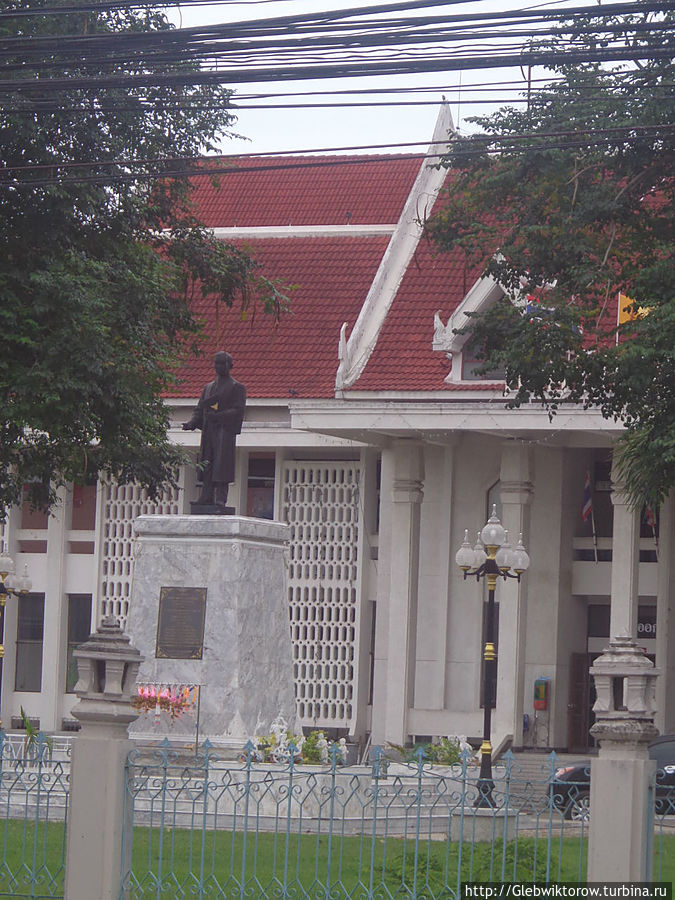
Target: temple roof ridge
[(355, 351)]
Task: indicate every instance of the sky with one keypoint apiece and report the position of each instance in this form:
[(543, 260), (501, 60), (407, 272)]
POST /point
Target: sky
[(289, 130)]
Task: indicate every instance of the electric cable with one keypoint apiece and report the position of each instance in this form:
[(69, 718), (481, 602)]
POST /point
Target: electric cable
[(492, 145)]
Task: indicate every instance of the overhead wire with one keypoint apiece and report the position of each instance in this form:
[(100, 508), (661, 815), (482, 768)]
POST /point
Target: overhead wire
[(317, 71), (210, 164), (348, 45), (335, 56), (401, 6)]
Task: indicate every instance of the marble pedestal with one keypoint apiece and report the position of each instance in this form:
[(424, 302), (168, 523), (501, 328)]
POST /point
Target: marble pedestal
[(246, 672)]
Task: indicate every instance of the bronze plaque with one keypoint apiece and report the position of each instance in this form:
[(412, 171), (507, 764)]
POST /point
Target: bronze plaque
[(180, 623)]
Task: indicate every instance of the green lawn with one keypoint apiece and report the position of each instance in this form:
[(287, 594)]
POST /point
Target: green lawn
[(305, 864)]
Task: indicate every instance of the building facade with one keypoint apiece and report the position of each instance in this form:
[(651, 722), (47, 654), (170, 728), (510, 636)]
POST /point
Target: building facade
[(369, 431)]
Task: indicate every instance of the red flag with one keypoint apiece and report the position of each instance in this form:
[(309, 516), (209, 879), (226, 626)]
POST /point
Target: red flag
[(649, 516), (587, 508)]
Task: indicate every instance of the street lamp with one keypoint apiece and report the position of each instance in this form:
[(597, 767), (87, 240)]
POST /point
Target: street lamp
[(11, 585), (491, 557)]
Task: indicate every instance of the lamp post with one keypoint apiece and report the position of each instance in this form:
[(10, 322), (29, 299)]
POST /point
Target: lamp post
[(491, 557), (11, 585)]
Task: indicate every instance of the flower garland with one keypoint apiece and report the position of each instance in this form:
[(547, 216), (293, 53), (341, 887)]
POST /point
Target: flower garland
[(173, 699)]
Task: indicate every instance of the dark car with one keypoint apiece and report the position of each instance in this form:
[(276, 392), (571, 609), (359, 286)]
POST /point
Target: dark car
[(571, 785)]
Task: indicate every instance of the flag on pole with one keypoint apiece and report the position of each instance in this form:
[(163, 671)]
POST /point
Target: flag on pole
[(587, 508), (587, 512), (651, 521)]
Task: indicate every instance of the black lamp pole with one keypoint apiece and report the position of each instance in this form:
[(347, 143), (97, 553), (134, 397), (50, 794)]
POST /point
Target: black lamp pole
[(491, 558), (485, 782)]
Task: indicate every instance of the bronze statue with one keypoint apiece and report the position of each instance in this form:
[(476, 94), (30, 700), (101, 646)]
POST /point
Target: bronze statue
[(219, 414)]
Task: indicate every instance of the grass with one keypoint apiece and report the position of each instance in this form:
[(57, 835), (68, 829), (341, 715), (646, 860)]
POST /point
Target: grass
[(306, 864)]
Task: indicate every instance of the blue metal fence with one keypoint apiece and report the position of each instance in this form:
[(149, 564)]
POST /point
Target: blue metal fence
[(34, 790), (203, 826), (661, 825)]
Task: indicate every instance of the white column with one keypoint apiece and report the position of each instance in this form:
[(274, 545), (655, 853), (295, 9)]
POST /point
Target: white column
[(368, 494), (625, 683), (55, 618), (516, 496), (625, 565), (436, 556), (406, 498), (8, 661), (238, 492), (665, 619), (279, 487)]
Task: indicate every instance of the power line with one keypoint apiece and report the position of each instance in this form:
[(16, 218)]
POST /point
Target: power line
[(306, 23), (47, 107), (317, 71), (482, 143)]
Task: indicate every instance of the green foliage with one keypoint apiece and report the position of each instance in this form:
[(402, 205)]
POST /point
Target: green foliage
[(100, 262), (571, 201), (32, 740), (519, 859), (446, 752), (311, 748)]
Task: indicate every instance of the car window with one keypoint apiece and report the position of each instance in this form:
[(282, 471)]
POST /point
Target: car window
[(663, 753)]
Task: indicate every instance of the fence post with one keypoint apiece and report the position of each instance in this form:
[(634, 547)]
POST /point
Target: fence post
[(107, 666), (625, 683)]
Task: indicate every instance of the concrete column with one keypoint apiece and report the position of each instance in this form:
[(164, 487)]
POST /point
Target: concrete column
[(625, 565), (516, 496), (56, 617), (279, 487), (618, 840), (406, 498), (368, 492), (625, 683), (107, 668), (99, 553), (665, 618), (8, 612), (436, 557), (238, 492)]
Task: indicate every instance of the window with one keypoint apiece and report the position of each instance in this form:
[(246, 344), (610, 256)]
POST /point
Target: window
[(79, 629), (260, 493), (472, 361), (83, 516), (83, 510), (32, 520), (29, 635)]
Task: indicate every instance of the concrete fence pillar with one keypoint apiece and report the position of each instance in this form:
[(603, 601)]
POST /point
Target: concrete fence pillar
[(107, 667), (625, 683)]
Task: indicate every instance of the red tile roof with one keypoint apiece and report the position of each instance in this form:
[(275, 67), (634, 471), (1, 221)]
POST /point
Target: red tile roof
[(332, 276), (403, 359), (298, 358), (297, 190)]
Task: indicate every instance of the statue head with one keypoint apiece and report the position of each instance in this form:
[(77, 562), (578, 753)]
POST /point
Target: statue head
[(222, 362)]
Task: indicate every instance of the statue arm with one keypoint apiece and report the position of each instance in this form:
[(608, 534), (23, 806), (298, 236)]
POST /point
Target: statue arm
[(197, 418)]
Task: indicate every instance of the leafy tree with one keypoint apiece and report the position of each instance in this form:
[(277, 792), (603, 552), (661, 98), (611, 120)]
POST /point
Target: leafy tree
[(571, 202), (100, 258)]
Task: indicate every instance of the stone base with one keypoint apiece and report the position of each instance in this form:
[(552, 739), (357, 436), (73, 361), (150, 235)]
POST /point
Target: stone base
[(470, 825), (210, 509), (246, 671)]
